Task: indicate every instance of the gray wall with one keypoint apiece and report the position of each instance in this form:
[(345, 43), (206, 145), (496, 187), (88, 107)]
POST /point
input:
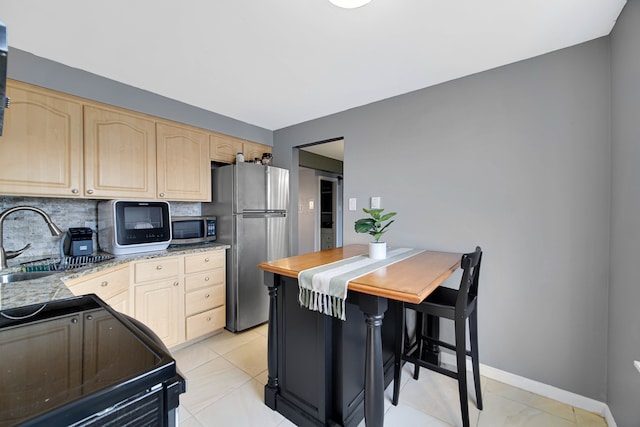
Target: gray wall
[(624, 295), (32, 69), (517, 160), (307, 193)]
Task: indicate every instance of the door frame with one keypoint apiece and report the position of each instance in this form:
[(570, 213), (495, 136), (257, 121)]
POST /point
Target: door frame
[(337, 208)]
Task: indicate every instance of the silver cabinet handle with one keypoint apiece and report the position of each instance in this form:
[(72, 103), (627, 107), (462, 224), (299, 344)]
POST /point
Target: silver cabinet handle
[(206, 260), (206, 296), (75, 191), (209, 319), (158, 267), (176, 283), (89, 191), (104, 284), (206, 279), (161, 194)]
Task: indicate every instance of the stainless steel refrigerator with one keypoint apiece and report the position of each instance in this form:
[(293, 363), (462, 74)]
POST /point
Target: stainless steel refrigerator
[(250, 202)]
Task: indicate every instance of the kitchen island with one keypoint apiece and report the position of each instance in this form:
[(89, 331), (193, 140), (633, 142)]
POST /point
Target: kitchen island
[(325, 371)]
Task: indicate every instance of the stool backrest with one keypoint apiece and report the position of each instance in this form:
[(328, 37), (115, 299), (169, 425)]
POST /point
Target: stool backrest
[(468, 291)]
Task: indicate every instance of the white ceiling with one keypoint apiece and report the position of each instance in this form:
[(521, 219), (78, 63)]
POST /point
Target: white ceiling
[(276, 63), (333, 149)]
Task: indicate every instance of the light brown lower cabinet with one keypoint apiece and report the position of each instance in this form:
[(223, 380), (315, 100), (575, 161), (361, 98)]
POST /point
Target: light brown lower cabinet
[(158, 293), (180, 298), (111, 285), (158, 305), (205, 293)]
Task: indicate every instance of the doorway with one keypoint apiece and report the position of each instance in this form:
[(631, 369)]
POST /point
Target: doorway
[(329, 212), (320, 199)]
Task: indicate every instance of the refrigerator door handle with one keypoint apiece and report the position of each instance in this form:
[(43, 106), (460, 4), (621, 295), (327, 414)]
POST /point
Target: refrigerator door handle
[(264, 214)]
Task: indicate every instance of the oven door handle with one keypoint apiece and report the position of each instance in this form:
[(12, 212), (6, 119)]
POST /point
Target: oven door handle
[(26, 316)]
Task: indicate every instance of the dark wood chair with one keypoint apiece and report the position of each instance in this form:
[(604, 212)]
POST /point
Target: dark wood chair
[(457, 305)]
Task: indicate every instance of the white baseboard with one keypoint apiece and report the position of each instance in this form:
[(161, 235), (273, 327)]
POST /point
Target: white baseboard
[(539, 388)]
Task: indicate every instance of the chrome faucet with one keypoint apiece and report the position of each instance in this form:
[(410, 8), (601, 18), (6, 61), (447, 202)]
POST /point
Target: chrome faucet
[(4, 256)]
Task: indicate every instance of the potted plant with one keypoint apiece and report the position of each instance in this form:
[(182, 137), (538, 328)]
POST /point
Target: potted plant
[(376, 225)]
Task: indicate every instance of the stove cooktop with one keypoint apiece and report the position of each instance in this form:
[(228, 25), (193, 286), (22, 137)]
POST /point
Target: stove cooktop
[(71, 358)]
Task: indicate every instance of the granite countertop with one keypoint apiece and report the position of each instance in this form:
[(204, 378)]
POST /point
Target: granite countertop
[(52, 287)]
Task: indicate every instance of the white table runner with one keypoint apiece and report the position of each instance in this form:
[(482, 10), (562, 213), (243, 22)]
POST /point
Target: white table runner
[(324, 288)]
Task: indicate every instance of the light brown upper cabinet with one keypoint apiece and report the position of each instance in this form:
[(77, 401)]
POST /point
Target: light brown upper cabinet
[(253, 150), (120, 154), (41, 148), (184, 168), (59, 145), (223, 148)]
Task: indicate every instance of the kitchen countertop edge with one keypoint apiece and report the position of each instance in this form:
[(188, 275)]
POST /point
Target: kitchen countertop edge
[(52, 287)]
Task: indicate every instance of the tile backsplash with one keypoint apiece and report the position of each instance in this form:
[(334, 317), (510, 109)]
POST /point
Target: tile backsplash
[(24, 227)]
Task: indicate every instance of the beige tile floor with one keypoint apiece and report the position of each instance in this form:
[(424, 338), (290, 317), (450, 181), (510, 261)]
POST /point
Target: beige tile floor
[(227, 372)]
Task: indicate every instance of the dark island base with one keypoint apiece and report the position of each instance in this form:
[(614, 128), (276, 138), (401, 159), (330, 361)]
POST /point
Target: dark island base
[(319, 373)]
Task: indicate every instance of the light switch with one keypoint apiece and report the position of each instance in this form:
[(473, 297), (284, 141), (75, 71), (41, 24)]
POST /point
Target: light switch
[(352, 204), (375, 203)]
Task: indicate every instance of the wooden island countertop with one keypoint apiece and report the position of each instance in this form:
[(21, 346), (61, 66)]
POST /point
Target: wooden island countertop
[(410, 280)]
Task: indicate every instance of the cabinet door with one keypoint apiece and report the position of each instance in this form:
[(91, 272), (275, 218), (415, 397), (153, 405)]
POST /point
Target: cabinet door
[(223, 148), (120, 154), (184, 168), (253, 150), (120, 303), (41, 148), (160, 306)]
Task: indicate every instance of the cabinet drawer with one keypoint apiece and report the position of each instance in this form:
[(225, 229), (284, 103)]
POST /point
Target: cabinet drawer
[(196, 281), (204, 261), (204, 299), (160, 268), (105, 284), (206, 322)]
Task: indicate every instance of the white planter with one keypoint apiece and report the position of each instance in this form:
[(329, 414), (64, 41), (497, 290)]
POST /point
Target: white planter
[(377, 250)]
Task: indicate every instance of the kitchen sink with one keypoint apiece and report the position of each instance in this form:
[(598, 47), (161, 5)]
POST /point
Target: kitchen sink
[(19, 277)]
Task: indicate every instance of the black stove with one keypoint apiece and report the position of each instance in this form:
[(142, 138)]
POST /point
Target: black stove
[(77, 362)]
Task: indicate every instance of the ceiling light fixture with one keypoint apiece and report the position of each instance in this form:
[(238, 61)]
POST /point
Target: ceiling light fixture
[(349, 4)]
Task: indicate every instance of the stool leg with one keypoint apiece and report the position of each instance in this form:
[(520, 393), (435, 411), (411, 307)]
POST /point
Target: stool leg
[(473, 336), (461, 361), (399, 350), (419, 343)]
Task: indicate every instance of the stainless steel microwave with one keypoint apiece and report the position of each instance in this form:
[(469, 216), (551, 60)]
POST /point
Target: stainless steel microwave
[(129, 226), (186, 230)]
